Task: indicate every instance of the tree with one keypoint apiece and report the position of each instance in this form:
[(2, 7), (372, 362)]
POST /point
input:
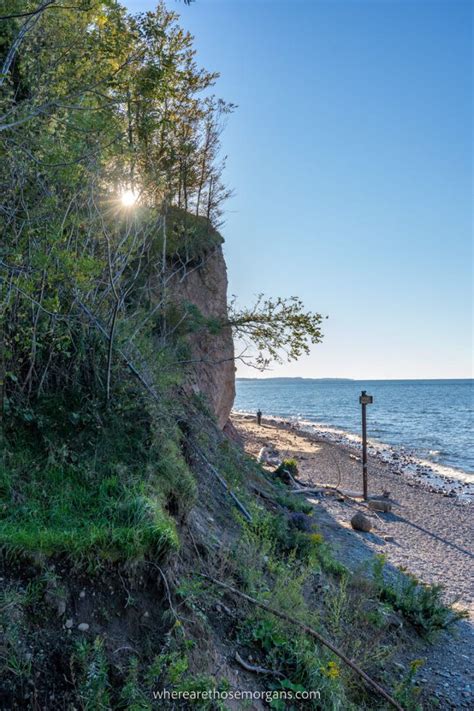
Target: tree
[(274, 329), (94, 102)]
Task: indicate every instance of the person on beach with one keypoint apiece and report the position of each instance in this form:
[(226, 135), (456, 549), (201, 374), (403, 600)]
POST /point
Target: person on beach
[(259, 417)]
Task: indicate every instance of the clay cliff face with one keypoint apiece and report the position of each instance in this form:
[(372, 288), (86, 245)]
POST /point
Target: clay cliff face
[(213, 374)]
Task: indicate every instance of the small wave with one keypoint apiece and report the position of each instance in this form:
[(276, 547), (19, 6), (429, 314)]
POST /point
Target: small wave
[(441, 477)]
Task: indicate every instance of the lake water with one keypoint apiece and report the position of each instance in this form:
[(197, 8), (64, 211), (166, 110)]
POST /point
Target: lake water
[(431, 418)]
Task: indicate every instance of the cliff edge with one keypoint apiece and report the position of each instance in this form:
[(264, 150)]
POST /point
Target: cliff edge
[(212, 370)]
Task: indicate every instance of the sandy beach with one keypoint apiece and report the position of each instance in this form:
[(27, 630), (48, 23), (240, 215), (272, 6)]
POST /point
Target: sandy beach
[(428, 532)]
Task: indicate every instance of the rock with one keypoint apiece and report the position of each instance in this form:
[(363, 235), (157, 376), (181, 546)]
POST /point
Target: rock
[(232, 433), (83, 627), (380, 506), (82, 594), (68, 624), (359, 522)]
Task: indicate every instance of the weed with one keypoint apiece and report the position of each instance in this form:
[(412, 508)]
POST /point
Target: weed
[(93, 685), (419, 603), (406, 692), (132, 695)]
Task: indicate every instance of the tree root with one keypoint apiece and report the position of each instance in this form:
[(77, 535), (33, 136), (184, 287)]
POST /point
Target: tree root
[(256, 669)]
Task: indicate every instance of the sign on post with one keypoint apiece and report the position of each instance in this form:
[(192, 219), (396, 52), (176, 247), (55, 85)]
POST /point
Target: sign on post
[(365, 400)]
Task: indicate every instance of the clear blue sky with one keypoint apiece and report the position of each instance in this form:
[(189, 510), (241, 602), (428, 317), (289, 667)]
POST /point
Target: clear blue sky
[(351, 158)]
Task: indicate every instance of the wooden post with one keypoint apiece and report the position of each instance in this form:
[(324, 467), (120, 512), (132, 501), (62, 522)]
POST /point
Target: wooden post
[(364, 401)]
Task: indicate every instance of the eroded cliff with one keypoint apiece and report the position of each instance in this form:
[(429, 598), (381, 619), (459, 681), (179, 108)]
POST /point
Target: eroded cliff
[(212, 367)]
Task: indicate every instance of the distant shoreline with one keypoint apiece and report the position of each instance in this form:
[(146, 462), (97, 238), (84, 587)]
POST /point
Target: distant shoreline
[(358, 380)]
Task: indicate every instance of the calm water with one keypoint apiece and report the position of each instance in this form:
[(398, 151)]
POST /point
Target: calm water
[(432, 418)]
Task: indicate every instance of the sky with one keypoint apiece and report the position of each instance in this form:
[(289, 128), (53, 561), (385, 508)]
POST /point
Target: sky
[(350, 154)]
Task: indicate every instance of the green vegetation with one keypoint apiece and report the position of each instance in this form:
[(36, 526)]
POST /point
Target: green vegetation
[(287, 470), (419, 603), (275, 329), (92, 680), (103, 498), (67, 511)]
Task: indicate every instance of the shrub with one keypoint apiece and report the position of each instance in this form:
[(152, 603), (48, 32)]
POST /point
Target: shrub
[(287, 467), (419, 603)]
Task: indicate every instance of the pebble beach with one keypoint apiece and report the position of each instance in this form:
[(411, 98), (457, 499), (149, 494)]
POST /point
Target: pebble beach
[(429, 531)]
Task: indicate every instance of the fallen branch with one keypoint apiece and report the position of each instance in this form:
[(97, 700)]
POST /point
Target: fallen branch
[(312, 632), (223, 483), (293, 480), (256, 669), (322, 488)]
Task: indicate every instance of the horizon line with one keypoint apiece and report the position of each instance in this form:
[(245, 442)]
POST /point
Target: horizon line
[(352, 380)]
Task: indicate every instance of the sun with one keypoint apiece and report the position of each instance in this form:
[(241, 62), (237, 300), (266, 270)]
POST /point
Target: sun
[(128, 198)]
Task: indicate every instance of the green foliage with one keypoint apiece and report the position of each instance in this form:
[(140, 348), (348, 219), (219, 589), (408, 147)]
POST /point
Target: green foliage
[(406, 693), (93, 682), (303, 665), (290, 465), (189, 237), (297, 504), (268, 551), (120, 110), (132, 696), (418, 602), (16, 658), (103, 498), (275, 329)]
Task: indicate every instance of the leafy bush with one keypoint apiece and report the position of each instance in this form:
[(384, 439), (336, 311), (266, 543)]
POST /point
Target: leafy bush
[(288, 468)]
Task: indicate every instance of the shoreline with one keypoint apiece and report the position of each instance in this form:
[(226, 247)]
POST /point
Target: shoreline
[(429, 531), (429, 476)]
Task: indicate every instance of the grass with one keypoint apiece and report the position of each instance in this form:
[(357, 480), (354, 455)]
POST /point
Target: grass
[(66, 510), (107, 500)]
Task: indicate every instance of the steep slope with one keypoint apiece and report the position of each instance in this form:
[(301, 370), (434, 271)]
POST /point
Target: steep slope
[(213, 371)]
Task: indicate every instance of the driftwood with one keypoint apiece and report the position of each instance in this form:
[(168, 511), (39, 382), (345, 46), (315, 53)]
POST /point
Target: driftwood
[(256, 669), (312, 632), (308, 491)]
